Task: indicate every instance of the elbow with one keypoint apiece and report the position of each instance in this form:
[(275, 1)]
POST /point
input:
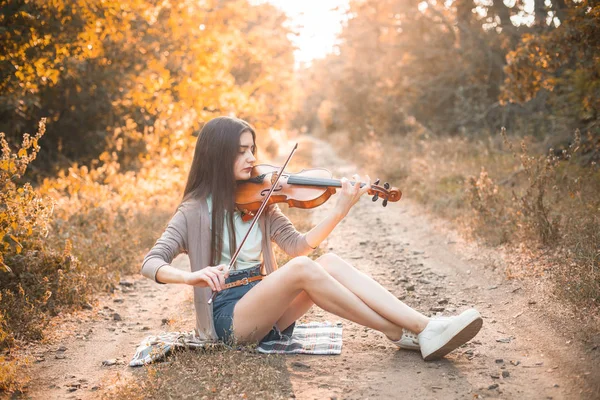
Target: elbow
[(145, 270), (306, 252), (302, 247), (150, 267)]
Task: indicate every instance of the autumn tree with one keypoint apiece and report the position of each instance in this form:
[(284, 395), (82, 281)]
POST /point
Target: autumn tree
[(103, 71), (465, 67), (560, 69)]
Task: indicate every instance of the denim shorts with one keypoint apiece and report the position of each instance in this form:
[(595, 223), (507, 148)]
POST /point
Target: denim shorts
[(226, 300)]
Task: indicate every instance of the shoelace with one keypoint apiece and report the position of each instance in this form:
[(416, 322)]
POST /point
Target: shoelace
[(413, 336), (410, 334)]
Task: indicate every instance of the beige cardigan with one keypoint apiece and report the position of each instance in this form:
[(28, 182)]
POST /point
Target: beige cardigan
[(189, 231)]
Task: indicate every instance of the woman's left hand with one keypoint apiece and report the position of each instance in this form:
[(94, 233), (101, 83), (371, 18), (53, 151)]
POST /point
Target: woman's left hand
[(350, 194)]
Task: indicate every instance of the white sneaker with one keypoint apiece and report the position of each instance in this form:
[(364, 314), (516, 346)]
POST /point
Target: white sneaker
[(408, 341), (441, 336)]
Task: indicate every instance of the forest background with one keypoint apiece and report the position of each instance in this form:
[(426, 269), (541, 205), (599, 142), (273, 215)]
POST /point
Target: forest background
[(483, 110)]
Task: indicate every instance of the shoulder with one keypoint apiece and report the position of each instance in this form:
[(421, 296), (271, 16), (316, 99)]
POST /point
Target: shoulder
[(193, 206), (193, 201)]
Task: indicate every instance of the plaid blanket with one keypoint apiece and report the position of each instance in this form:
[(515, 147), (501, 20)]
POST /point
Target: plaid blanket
[(311, 338)]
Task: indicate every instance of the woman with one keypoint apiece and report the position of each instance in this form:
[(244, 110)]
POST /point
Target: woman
[(258, 308)]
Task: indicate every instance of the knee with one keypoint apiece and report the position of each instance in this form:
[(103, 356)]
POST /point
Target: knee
[(307, 269), (329, 258), (331, 262)]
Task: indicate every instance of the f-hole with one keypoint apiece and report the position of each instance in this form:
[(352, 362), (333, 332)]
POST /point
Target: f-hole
[(265, 192)]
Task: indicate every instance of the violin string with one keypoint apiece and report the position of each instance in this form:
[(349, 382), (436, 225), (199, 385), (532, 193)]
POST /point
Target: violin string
[(299, 180)]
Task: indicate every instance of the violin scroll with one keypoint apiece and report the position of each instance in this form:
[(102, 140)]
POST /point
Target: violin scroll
[(385, 192)]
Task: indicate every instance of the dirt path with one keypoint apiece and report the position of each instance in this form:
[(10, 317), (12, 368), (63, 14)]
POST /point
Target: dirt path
[(516, 355), (90, 350)]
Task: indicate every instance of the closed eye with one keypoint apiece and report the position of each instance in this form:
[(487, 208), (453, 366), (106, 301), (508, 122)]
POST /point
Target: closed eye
[(244, 148)]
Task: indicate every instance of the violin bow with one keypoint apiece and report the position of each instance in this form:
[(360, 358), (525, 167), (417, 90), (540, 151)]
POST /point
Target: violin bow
[(257, 215)]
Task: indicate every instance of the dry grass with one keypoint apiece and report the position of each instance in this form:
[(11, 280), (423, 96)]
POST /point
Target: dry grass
[(218, 374), (532, 201), (11, 374)]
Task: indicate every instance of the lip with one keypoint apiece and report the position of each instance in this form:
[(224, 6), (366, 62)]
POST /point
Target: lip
[(247, 169)]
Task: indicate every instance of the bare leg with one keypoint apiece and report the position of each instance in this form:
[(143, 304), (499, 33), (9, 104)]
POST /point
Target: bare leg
[(300, 305), (267, 302), (368, 290), (337, 287), (373, 294)]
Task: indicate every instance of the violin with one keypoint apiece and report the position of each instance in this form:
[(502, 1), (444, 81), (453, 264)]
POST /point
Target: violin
[(308, 188)]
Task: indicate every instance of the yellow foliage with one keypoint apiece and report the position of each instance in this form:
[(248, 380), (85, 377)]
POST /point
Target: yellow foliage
[(11, 375), (176, 63), (23, 211)]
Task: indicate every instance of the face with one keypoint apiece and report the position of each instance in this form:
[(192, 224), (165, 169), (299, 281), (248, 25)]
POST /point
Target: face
[(242, 168)]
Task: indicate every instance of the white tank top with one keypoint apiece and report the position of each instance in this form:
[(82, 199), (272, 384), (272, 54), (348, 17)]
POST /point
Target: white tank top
[(251, 253)]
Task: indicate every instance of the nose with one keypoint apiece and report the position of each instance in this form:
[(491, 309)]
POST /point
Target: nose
[(251, 157)]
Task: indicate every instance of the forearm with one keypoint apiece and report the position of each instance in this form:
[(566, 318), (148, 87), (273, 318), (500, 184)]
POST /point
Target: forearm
[(319, 232), (169, 274)]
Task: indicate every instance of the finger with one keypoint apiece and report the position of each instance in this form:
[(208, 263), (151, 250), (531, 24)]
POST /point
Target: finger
[(361, 188), (356, 179), (221, 279), (356, 186), (214, 279), (367, 184), (209, 282), (224, 270), (217, 279), (345, 183)]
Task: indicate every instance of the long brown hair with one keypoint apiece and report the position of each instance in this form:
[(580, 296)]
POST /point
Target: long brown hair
[(211, 173)]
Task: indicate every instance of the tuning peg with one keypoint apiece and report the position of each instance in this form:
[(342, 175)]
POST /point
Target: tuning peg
[(376, 196), (386, 185), (376, 182), (384, 202)]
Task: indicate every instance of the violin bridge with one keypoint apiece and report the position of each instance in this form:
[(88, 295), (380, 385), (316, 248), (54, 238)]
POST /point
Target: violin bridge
[(274, 178)]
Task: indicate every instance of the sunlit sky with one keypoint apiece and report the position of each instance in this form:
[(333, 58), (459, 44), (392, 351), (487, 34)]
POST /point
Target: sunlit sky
[(317, 23)]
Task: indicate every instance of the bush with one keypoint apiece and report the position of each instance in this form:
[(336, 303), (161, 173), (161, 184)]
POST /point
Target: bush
[(555, 205), (11, 378), (533, 205), (545, 202), (492, 218), (36, 280)]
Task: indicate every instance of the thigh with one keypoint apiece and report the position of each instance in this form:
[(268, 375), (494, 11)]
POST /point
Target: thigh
[(223, 307), (255, 314), (299, 306)]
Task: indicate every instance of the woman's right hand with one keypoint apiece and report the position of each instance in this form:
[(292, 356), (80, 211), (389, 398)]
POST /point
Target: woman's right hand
[(213, 277)]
